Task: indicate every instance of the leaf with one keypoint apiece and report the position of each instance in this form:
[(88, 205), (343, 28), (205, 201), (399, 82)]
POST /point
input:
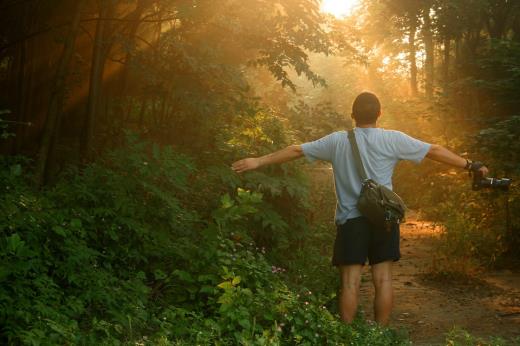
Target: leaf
[(226, 201), (112, 234), (236, 280), (245, 324), (75, 223), (207, 289), (59, 230), (14, 242), (207, 277), (58, 328), (159, 274), (118, 328), (225, 285), (183, 275)]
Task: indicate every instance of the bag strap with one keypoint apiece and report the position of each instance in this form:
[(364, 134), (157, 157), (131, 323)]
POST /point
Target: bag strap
[(357, 157)]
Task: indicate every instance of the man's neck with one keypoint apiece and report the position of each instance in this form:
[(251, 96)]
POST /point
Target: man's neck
[(366, 126)]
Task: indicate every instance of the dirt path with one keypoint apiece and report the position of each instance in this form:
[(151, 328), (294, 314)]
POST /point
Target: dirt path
[(429, 309)]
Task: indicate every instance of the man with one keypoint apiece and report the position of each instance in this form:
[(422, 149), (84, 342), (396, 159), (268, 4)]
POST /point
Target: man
[(356, 239)]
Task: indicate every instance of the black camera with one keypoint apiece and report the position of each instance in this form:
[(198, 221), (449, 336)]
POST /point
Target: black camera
[(479, 182)]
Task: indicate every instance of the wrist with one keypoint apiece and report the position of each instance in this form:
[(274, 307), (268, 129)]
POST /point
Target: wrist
[(474, 166)]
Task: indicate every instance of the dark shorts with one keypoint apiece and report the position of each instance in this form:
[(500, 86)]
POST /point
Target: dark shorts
[(357, 240)]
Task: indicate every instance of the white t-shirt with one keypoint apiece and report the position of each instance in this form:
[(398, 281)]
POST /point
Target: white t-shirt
[(380, 151)]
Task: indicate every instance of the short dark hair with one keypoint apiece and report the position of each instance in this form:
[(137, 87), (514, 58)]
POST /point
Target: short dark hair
[(366, 108)]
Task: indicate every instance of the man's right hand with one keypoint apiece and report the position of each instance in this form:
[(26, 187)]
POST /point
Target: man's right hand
[(477, 167), (246, 164), (441, 154), (484, 170)]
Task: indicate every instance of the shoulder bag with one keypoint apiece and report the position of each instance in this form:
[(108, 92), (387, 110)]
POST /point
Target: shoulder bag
[(380, 205)]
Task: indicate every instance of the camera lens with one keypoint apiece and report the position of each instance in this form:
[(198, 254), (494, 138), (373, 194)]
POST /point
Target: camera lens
[(494, 183)]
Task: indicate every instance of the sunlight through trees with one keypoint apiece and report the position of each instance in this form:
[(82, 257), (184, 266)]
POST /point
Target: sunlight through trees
[(121, 221)]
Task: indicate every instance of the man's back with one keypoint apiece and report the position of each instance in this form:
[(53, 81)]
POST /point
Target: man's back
[(380, 151)]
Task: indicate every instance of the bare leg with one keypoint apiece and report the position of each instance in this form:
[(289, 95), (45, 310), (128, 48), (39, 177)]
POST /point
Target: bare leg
[(348, 299), (383, 301)]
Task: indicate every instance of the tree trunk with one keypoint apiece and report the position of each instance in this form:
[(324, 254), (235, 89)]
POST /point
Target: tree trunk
[(446, 64), (499, 17), (515, 27), (429, 47), (413, 63), (142, 112), (458, 58), (54, 111), (163, 110), (134, 17), (96, 83), (19, 104), (25, 76), (126, 107)]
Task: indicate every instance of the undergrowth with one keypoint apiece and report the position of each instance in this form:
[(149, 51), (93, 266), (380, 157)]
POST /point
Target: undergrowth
[(144, 247), (460, 337)]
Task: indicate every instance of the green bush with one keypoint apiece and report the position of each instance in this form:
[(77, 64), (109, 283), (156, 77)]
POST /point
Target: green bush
[(126, 250)]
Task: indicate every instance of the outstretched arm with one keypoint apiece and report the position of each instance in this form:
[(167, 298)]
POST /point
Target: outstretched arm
[(290, 153), (440, 154)]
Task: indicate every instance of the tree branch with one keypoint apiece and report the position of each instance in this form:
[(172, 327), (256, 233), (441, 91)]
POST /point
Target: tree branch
[(45, 30)]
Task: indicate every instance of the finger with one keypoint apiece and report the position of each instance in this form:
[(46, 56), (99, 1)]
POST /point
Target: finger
[(241, 170), (238, 164), (238, 167)]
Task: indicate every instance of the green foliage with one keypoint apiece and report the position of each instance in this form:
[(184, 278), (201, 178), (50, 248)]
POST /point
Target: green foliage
[(460, 337), (311, 123), (119, 253), (81, 255), (281, 186), (482, 227), (500, 143), (499, 74)]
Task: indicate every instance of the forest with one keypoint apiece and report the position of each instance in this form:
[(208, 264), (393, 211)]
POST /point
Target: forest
[(122, 222)]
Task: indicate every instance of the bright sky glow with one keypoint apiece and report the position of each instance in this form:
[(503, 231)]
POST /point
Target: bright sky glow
[(338, 8)]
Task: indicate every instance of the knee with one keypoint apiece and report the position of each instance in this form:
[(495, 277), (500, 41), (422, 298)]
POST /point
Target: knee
[(350, 285), (382, 282)]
